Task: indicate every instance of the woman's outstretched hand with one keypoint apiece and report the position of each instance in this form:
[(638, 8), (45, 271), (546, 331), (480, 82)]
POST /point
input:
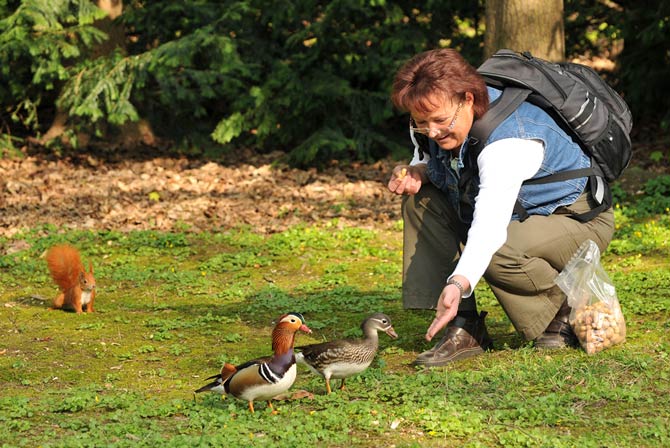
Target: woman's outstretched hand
[(447, 307), (407, 179)]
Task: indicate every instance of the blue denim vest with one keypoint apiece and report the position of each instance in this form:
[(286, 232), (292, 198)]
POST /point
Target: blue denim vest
[(527, 122)]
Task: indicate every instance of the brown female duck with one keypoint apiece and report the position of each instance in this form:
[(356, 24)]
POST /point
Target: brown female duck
[(343, 358)]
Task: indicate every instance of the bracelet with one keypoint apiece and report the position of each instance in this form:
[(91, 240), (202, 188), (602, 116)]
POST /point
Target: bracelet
[(457, 284)]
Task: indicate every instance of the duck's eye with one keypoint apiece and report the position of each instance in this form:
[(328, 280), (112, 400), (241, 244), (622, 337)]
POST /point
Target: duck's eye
[(292, 321), (384, 321)]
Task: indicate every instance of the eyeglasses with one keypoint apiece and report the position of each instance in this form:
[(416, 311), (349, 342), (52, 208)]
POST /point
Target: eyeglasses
[(438, 132)]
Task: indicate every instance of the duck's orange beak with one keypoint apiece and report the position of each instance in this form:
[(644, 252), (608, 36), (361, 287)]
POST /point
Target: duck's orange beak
[(305, 328)]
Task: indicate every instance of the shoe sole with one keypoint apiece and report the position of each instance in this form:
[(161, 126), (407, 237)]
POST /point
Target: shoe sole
[(551, 346), (556, 346), (558, 343), (462, 354)]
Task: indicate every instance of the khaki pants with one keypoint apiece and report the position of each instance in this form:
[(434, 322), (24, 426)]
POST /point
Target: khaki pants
[(521, 273)]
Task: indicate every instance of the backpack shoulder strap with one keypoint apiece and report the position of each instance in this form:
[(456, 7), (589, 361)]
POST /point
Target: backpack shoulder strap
[(501, 108), (510, 99)]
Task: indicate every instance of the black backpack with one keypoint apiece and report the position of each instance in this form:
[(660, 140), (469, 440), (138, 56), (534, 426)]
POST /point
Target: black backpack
[(579, 100)]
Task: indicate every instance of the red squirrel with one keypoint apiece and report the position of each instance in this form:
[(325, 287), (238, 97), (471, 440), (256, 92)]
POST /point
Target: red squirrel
[(77, 287)]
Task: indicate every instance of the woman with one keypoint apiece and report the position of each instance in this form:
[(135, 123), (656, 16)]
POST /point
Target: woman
[(458, 210)]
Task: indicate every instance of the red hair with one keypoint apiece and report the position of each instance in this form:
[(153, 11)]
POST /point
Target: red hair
[(443, 72)]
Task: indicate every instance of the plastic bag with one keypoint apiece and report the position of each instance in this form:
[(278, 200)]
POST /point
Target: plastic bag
[(596, 316)]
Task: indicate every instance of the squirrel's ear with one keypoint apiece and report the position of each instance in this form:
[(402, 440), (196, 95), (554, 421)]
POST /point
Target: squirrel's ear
[(90, 267)]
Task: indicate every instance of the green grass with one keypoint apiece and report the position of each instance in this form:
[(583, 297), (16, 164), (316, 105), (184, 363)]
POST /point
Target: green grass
[(172, 308)]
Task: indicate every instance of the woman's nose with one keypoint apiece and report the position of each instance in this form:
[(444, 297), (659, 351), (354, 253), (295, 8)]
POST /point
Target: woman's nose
[(434, 131)]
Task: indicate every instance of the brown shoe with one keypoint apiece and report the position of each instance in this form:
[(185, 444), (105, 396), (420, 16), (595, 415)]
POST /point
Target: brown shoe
[(463, 338), (559, 333)]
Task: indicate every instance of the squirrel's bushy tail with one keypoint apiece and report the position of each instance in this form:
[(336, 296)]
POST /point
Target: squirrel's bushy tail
[(65, 265)]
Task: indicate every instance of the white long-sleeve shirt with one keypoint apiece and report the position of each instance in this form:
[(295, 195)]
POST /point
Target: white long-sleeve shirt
[(503, 166)]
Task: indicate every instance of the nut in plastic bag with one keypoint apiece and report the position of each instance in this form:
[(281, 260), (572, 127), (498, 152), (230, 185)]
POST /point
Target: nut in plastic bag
[(596, 316)]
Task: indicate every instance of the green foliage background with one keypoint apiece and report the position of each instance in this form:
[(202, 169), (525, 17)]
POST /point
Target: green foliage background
[(310, 78)]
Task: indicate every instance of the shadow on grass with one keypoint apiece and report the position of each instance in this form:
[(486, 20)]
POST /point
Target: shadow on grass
[(331, 314)]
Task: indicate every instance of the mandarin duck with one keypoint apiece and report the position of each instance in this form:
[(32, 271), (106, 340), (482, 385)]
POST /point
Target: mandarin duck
[(263, 378), (342, 358)]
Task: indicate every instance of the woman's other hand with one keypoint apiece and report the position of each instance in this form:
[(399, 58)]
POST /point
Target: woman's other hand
[(407, 179)]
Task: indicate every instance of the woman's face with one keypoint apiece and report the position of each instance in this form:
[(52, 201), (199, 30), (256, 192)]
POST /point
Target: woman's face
[(449, 123)]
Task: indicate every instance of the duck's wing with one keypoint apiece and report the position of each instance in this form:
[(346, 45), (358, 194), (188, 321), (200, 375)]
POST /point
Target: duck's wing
[(218, 385), (324, 351), (220, 380)]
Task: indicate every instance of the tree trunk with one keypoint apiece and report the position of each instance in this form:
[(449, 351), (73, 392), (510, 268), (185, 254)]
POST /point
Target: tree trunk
[(113, 8), (114, 30), (525, 25), (131, 134)]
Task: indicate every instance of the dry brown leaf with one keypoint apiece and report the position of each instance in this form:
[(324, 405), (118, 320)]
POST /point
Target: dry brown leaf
[(102, 194)]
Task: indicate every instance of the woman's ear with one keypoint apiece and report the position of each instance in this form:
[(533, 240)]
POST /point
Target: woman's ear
[(469, 98)]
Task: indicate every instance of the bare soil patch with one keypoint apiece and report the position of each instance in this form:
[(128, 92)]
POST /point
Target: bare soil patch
[(162, 193)]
